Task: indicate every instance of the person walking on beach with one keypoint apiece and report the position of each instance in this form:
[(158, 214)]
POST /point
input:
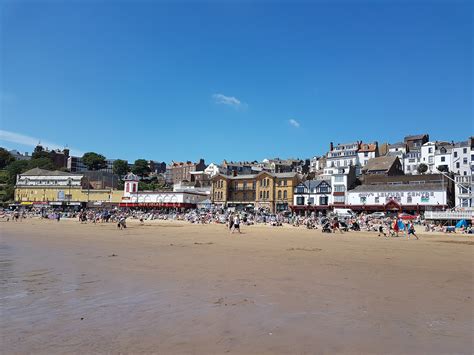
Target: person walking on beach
[(336, 225), (231, 221), (411, 230), (58, 216), (381, 231), (396, 228), (236, 224)]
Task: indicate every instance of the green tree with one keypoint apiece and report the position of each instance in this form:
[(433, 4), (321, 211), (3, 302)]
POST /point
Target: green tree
[(39, 152), (443, 168), (5, 158), (94, 161), (422, 168), (15, 168), (141, 168), (42, 163), (120, 167)]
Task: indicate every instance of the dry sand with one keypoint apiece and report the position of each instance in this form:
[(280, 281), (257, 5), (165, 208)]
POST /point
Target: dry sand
[(172, 287)]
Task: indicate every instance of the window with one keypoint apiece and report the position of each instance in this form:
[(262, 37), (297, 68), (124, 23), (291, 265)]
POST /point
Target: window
[(323, 189), (300, 200), (430, 150), (268, 194), (377, 199), (339, 188), (285, 182), (311, 200), (409, 199), (455, 154), (464, 161), (339, 199), (457, 165), (338, 178), (279, 194), (323, 200), (464, 150), (363, 200), (285, 194), (443, 159), (300, 190), (430, 160), (261, 194), (245, 185)]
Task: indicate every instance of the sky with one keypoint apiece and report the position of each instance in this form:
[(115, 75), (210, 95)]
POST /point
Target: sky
[(235, 80)]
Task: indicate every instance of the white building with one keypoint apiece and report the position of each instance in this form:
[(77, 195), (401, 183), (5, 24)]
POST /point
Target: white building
[(464, 190), (342, 180), (158, 199), (411, 160), (40, 177), (428, 156), (340, 156), (443, 158), (213, 169), (315, 164), (406, 197), (312, 195), (365, 153), (463, 158)]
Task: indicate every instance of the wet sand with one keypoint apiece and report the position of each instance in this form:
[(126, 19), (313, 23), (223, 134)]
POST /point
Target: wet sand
[(177, 288)]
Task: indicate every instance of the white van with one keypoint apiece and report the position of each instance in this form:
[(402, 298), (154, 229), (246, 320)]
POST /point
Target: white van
[(344, 213)]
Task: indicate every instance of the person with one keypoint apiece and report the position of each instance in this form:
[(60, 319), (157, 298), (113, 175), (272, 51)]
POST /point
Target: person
[(122, 224), (381, 231), (58, 216), (411, 230), (336, 225), (396, 228), (231, 221), (236, 224)]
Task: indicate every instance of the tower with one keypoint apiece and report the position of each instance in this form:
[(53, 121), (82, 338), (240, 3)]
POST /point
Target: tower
[(130, 186)]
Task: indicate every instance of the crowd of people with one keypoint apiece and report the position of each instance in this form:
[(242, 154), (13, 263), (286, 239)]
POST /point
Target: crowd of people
[(383, 226)]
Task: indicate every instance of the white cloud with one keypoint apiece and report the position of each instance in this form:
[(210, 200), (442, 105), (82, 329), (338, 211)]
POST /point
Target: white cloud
[(28, 141), (294, 123), (228, 100)]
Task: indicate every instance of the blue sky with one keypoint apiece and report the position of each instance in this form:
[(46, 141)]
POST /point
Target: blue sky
[(235, 79)]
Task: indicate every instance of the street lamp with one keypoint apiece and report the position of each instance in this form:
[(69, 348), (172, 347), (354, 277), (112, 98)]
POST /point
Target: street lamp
[(69, 183)]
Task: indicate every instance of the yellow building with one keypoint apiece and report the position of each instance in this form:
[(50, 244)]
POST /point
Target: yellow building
[(55, 188), (269, 191)]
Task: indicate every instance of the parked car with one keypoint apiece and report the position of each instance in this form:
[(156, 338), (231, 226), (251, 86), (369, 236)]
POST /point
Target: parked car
[(378, 215)]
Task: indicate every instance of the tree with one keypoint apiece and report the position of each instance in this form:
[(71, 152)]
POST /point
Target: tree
[(140, 167), (42, 163), (15, 168), (422, 168), (94, 161), (39, 152), (120, 167), (5, 158), (443, 168)]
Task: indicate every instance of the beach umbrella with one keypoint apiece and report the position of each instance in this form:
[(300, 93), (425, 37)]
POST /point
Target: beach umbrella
[(461, 223)]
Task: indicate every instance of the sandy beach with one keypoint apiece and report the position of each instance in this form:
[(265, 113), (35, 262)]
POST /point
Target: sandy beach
[(178, 288)]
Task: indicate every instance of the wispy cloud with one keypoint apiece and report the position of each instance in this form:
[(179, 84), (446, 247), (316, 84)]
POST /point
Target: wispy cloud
[(228, 100), (28, 141), (294, 123)]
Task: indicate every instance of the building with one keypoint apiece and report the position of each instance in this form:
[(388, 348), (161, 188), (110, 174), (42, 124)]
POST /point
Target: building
[(75, 165), (366, 152), (462, 159), (443, 158), (272, 192), (213, 169), (19, 156), (408, 193), (181, 200), (157, 167), (415, 142), (387, 165), (411, 160), (239, 168), (464, 190), (340, 156), (177, 172), (312, 195), (342, 180), (39, 187), (316, 164)]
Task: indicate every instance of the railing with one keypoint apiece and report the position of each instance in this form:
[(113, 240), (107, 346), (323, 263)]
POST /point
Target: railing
[(457, 215)]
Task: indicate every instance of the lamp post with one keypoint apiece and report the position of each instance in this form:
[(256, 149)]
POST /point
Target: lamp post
[(69, 182)]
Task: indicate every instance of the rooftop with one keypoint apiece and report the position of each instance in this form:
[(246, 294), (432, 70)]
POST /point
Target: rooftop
[(44, 172), (400, 187), (381, 163)]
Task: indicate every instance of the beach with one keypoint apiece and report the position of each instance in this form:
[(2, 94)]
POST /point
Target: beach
[(172, 287)]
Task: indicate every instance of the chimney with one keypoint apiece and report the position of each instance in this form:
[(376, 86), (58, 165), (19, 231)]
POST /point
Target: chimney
[(234, 173), (331, 146)]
